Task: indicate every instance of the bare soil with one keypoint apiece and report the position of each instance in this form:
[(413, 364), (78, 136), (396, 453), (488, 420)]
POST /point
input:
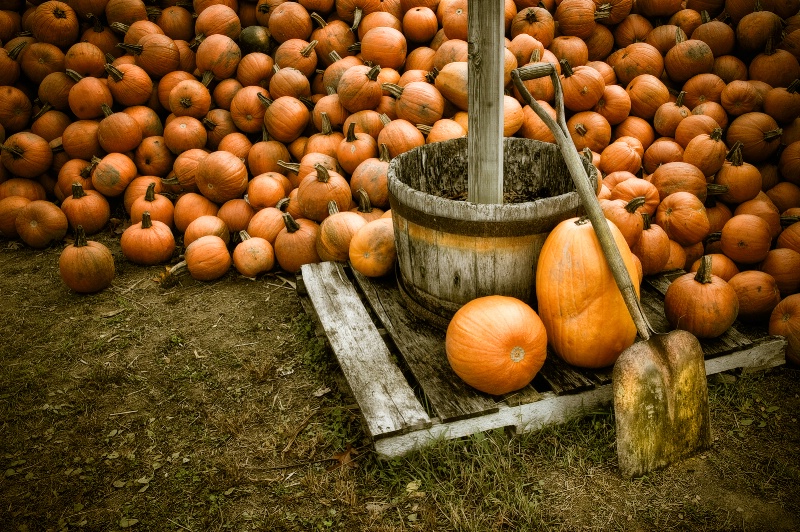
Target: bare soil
[(182, 405)]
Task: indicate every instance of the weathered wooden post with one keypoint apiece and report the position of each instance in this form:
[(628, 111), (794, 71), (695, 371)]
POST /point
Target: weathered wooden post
[(485, 140)]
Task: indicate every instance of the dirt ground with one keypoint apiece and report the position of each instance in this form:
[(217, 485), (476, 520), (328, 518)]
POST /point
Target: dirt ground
[(182, 405)]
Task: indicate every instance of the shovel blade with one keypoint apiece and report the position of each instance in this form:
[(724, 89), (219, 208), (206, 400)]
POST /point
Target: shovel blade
[(660, 402)]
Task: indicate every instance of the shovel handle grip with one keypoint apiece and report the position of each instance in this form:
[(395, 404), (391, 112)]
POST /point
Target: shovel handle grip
[(536, 70)]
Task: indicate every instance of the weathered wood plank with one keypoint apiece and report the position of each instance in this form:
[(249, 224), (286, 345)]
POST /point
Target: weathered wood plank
[(422, 349), (562, 377), (386, 400), (767, 353), (551, 409)]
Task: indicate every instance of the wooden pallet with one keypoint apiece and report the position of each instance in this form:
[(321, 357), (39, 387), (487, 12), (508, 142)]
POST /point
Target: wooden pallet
[(397, 369)]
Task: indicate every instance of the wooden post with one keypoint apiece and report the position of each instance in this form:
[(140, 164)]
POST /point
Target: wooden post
[(485, 136)]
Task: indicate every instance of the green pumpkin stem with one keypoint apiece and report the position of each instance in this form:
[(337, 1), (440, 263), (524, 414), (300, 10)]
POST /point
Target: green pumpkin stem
[(119, 27), (787, 220), (290, 223), (323, 174), (106, 109), (634, 204), (715, 189), (80, 237), (703, 274), (77, 191), (150, 193), (364, 204)]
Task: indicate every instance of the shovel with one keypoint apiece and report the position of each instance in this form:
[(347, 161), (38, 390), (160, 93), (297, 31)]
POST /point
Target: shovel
[(659, 383)]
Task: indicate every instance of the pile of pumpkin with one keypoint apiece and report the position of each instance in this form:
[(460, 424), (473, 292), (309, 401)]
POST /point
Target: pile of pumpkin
[(261, 132)]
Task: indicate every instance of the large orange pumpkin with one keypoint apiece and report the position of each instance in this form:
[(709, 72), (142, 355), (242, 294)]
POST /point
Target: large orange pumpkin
[(587, 322), (496, 344), (372, 248), (785, 321)]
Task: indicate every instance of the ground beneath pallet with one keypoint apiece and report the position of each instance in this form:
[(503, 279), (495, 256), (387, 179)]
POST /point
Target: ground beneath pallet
[(211, 406)]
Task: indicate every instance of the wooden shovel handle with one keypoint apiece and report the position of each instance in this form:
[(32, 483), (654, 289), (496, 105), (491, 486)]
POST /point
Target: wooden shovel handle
[(579, 176)]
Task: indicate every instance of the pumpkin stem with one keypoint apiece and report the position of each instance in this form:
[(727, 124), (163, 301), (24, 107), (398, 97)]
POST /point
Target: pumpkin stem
[(769, 48), (602, 11), (210, 124), (113, 72), (392, 88), (351, 133), (73, 75), (703, 274), (431, 75), (97, 24), (244, 235), (58, 147), (566, 68), (646, 219), (186, 102), (266, 102), (147, 223), (46, 107), (634, 204), (86, 171), (80, 234), (330, 90), (705, 18), (424, 129), (264, 134), (536, 56), (793, 86), (323, 175), (788, 220), (383, 151), (385, 119), (582, 220), (373, 72), (679, 99), (713, 237), (333, 208), (119, 27), (774, 134), (334, 55), (150, 193), (109, 58), (197, 41), (15, 151), (306, 51), (308, 102), (292, 167), (716, 134), (355, 48), (530, 15), (106, 109), (325, 127), (133, 49), (316, 17), (14, 52), (735, 154), (357, 14), (364, 204), (580, 127), (679, 36), (290, 223), (715, 189), (207, 78), (282, 204), (153, 12), (77, 191)]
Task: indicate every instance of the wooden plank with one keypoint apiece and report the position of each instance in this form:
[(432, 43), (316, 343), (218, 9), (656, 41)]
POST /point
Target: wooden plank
[(486, 31), (562, 377), (422, 348), (766, 353), (550, 410), (386, 400)]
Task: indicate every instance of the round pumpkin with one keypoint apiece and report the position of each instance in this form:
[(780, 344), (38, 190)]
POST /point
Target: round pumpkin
[(785, 321), (757, 292), (86, 266), (207, 258), (496, 344), (372, 248), (253, 255), (41, 222)]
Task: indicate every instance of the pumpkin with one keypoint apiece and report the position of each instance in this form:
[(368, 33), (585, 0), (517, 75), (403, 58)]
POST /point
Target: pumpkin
[(372, 248), (783, 264), (624, 214), (759, 134), (746, 238), (669, 114), (56, 23), (184, 133), (86, 208), (335, 233), (652, 248), (587, 322), (26, 154), (318, 188), (707, 152), (785, 321), (40, 223), (206, 225), (742, 179), (683, 217), (582, 86), (253, 255), (701, 303), (757, 293), (118, 132), (296, 244), (207, 258), (86, 266), (496, 344), (147, 242), (191, 206), (9, 209), (159, 207), (721, 266), (112, 174)]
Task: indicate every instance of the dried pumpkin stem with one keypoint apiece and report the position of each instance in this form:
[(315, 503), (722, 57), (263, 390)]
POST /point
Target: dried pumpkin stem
[(292, 167), (147, 223), (306, 51), (77, 191), (323, 175), (634, 204), (357, 14), (150, 193), (113, 72), (333, 208), (715, 189), (106, 109), (351, 133), (119, 27), (703, 274), (244, 235), (80, 237), (290, 223), (364, 203)]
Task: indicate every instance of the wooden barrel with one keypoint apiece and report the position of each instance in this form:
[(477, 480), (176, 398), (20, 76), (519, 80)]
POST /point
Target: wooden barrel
[(451, 251)]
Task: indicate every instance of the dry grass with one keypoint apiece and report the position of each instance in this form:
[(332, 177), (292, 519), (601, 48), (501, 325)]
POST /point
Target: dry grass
[(211, 406)]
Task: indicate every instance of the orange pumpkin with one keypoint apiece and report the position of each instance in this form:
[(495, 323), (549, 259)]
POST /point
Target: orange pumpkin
[(86, 266), (207, 258), (785, 321), (496, 344), (253, 255), (372, 248), (587, 322)]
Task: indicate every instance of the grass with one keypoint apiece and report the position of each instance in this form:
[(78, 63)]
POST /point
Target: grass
[(214, 406)]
